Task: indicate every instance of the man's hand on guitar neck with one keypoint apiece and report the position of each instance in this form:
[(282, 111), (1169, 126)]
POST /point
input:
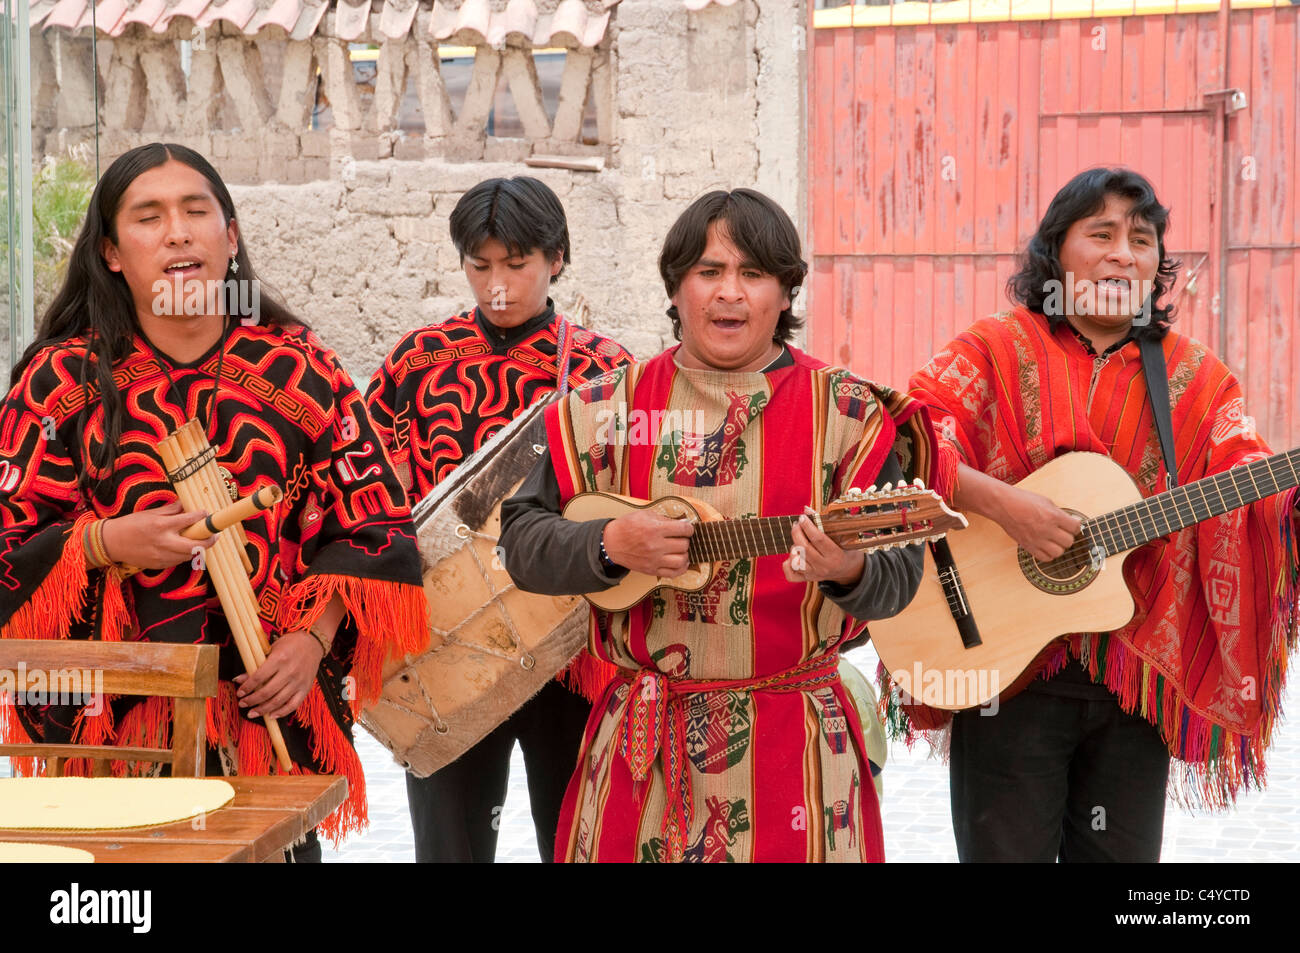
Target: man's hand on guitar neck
[(1032, 520), (820, 559), (647, 542)]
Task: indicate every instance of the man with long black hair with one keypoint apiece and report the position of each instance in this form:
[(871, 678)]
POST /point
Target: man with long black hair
[(441, 394), (144, 336), (1076, 766)]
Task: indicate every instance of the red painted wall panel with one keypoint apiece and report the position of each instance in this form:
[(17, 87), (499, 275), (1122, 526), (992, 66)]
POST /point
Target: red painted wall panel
[(935, 150)]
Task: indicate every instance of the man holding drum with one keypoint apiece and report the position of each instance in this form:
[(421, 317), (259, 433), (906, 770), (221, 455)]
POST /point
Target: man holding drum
[(442, 393), (728, 735)]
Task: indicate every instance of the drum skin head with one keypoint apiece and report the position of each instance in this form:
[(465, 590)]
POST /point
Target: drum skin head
[(492, 647)]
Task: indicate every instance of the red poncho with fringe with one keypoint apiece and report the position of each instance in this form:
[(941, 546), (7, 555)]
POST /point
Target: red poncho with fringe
[(1205, 655), (288, 415)]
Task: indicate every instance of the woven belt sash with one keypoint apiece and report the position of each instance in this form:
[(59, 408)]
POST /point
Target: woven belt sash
[(654, 725)]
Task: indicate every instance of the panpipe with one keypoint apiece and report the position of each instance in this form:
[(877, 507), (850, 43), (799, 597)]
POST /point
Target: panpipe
[(191, 464)]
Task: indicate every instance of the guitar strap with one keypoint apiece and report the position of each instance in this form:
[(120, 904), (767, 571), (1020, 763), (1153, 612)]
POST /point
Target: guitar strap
[(1153, 369)]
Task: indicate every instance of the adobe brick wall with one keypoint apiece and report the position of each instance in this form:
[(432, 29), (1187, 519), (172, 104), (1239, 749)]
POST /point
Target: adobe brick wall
[(355, 235), (704, 100)]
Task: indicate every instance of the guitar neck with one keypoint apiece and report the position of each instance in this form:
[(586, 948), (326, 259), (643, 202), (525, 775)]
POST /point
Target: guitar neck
[(716, 540), (1165, 513)]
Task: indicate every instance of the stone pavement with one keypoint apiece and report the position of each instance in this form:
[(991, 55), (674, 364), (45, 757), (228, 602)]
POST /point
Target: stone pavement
[(1264, 826)]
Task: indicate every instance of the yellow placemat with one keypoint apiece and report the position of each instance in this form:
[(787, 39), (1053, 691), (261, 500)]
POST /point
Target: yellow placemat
[(88, 804), (43, 854)]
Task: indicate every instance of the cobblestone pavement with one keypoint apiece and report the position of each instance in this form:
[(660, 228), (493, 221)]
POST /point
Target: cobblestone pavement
[(1264, 826)]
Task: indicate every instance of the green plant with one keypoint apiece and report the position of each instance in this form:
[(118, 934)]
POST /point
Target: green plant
[(61, 190)]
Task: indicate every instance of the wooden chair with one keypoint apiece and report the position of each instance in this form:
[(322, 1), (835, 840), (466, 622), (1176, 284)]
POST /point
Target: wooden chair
[(185, 673)]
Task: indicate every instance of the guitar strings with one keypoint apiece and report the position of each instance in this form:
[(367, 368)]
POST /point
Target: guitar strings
[(1147, 519), (1123, 529), (738, 538)]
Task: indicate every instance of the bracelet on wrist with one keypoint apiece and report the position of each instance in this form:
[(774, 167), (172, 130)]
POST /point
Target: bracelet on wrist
[(325, 644), (88, 547), (103, 546), (606, 563), (93, 544)]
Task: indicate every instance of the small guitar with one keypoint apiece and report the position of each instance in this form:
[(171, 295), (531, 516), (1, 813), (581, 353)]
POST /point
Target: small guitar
[(862, 519), (977, 623)]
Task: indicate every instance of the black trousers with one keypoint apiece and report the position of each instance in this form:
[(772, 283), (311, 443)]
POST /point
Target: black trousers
[(1051, 776), (307, 852), (456, 812)]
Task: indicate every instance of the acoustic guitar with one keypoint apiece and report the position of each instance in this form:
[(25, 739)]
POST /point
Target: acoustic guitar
[(862, 519), (978, 621)]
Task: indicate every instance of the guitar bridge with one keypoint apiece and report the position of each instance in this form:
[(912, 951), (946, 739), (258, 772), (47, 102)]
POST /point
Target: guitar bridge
[(955, 594)]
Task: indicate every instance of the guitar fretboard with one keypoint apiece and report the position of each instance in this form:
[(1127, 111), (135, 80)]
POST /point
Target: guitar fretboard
[(1130, 526), (736, 539)]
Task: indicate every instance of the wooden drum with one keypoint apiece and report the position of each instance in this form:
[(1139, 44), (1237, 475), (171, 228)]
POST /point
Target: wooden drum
[(492, 646)]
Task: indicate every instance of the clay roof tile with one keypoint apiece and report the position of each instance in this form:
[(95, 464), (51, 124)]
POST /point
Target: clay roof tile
[(466, 21)]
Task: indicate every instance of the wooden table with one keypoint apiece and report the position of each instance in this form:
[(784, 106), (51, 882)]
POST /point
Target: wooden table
[(265, 817)]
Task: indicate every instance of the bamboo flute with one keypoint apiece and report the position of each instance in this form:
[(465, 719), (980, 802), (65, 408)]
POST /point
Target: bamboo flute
[(192, 442), (223, 563), (236, 512), (211, 477)]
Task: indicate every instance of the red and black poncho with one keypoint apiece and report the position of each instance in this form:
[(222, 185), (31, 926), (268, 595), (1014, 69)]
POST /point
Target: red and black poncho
[(286, 414), (446, 389)]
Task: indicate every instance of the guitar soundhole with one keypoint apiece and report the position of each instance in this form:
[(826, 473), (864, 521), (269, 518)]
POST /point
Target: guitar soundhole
[(1069, 572)]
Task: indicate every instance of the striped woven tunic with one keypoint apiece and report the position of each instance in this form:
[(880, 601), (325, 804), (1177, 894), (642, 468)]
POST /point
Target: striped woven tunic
[(729, 736)]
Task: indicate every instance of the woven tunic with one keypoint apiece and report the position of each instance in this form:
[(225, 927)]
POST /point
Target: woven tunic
[(730, 737), (446, 389), (287, 415)]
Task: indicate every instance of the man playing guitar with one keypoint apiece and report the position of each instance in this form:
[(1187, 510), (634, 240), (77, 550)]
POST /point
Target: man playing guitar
[(1077, 765), (729, 735)]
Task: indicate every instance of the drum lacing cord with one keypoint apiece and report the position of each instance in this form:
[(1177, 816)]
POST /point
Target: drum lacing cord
[(525, 659)]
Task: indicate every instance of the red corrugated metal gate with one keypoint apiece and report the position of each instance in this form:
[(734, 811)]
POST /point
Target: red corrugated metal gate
[(934, 150)]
